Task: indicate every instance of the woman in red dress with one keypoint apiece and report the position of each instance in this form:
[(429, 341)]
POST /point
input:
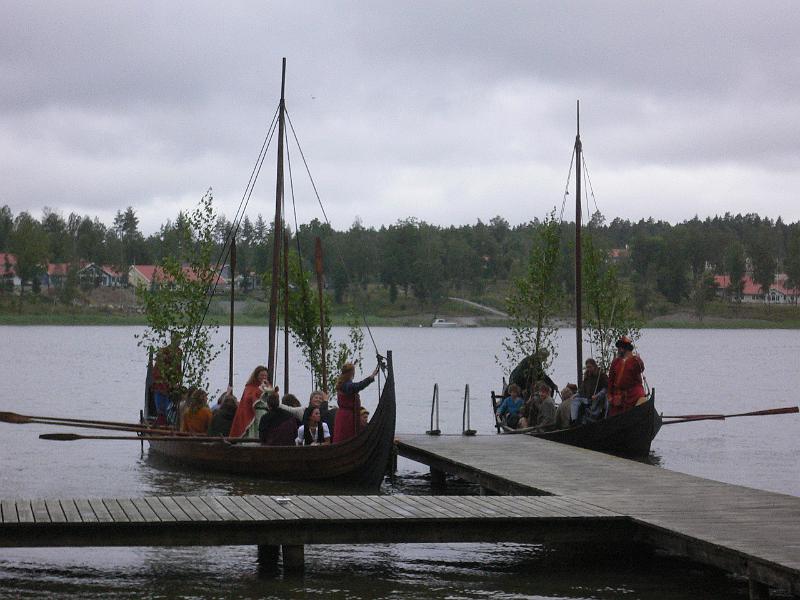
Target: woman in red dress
[(348, 421), (625, 388), (252, 392)]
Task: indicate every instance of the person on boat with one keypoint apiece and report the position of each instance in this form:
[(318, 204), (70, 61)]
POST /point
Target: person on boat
[(167, 376), (348, 423), (543, 407), (228, 392), (276, 427), (196, 418), (245, 414), (314, 431), (529, 371), (510, 408), (625, 387), (364, 414), (319, 399), (563, 414), (223, 417), (590, 403)]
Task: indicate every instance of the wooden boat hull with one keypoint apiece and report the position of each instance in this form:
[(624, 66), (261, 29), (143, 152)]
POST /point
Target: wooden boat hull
[(360, 462), (627, 434)]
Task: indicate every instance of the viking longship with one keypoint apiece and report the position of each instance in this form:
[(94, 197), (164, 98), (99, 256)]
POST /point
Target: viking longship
[(360, 461)]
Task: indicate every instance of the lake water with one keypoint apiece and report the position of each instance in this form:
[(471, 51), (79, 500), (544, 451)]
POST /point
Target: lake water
[(99, 372)]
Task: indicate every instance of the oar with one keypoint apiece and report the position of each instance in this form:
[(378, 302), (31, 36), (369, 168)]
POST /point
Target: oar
[(755, 413), (71, 437), (11, 417), (135, 428)]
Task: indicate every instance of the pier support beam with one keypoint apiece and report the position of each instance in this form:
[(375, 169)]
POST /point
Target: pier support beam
[(268, 555), (293, 559), (758, 590), (438, 479)]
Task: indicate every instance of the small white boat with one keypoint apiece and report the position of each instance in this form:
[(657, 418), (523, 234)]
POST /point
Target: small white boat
[(443, 323)]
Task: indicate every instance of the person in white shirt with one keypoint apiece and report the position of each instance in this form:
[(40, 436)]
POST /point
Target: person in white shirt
[(313, 432)]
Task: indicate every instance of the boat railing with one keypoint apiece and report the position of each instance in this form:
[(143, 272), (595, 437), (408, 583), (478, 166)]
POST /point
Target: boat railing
[(435, 411), (465, 427)]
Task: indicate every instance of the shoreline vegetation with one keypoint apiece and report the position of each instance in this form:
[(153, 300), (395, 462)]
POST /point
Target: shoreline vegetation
[(484, 311)]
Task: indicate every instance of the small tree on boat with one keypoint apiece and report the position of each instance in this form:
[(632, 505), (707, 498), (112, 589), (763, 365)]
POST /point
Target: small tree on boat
[(176, 304), (608, 304), (535, 300)]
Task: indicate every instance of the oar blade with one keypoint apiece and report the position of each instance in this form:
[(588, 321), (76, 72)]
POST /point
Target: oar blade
[(11, 417), (60, 437)]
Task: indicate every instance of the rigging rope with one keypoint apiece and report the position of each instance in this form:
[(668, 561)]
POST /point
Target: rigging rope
[(566, 187), (324, 214)]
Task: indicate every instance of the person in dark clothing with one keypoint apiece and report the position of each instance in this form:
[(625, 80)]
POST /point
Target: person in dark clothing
[(277, 427), (590, 403), (223, 417), (529, 371)]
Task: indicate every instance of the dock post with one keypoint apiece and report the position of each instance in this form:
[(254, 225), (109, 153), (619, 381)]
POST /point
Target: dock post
[(438, 479), (293, 558), (758, 590), (268, 555)]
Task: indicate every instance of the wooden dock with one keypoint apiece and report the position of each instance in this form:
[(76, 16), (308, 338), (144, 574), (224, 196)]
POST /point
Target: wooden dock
[(290, 522), (749, 532)]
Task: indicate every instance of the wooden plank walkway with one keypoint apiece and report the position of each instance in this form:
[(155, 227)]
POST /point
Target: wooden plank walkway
[(749, 532), (299, 520)]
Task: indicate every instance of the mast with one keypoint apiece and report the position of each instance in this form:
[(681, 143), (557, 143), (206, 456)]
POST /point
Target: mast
[(578, 321), (233, 287), (318, 268), (277, 231)]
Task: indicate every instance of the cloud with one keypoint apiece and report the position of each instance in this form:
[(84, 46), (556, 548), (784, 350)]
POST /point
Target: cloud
[(445, 111)]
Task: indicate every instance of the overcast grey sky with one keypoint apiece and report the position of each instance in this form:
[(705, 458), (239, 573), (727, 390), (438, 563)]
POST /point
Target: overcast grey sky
[(445, 111)]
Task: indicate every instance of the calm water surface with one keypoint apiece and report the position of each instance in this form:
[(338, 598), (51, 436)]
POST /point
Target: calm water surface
[(98, 371)]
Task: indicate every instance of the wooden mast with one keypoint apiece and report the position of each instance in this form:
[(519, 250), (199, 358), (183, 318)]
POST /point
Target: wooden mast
[(233, 287), (286, 312), (578, 321), (277, 231), (319, 270)]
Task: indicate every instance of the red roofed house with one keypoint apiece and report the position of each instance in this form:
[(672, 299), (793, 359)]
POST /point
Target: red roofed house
[(8, 274), (148, 276), (751, 291), (94, 275)]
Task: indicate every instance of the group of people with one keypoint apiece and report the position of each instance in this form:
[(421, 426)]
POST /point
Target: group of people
[(598, 396), (262, 414)]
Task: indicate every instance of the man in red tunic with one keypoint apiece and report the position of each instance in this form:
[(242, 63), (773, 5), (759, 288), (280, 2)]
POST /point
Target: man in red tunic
[(348, 421), (625, 389)]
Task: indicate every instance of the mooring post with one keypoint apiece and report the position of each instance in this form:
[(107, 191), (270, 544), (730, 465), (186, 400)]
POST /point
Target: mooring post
[(438, 479), (758, 590), (268, 555), (293, 558)]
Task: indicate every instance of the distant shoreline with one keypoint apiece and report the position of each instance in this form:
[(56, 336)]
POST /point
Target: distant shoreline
[(676, 321)]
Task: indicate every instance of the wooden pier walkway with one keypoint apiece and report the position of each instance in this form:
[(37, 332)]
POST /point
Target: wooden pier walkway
[(745, 531)]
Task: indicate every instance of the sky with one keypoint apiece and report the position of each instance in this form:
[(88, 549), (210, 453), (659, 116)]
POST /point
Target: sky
[(447, 112)]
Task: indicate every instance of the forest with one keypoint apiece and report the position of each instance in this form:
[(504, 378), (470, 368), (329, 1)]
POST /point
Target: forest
[(663, 264)]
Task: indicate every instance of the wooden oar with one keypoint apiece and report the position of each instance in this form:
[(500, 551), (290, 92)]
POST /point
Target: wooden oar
[(11, 417), (89, 425), (755, 413), (71, 437)]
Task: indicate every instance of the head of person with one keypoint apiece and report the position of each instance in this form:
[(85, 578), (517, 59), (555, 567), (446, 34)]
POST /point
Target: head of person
[(197, 400), (567, 393), (259, 375), (543, 389), (290, 400), (514, 391), (228, 403), (624, 345), (347, 374), (364, 416), (316, 398), (272, 400), (314, 417), (591, 367)]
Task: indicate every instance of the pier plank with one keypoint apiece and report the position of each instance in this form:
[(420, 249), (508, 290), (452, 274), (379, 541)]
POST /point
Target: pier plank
[(25, 511), (277, 505), (174, 509), (148, 514), (100, 510), (189, 510), (9, 509), (40, 514), (233, 508), (203, 508), (115, 510), (213, 504), (71, 511), (245, 507), (134, 516), (159, 509)]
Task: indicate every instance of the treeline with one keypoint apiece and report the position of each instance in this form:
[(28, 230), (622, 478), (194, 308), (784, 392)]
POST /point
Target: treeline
[(663, 262)]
